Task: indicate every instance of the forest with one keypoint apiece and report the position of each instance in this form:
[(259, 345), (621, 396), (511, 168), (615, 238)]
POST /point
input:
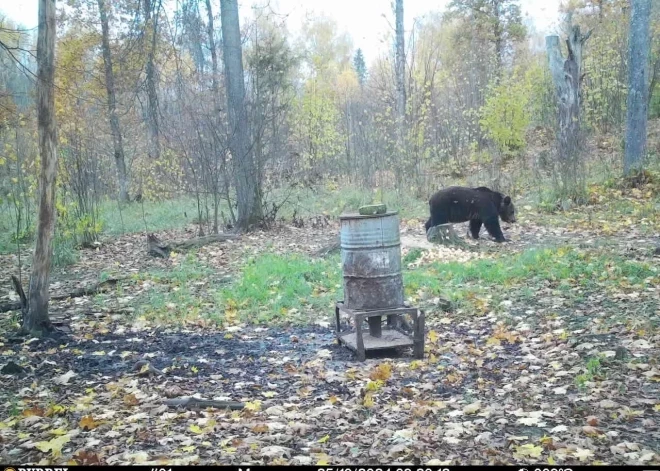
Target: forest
[(174, 180)]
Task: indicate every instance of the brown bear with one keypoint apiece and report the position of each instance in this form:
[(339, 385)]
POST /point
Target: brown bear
[(478, 205)]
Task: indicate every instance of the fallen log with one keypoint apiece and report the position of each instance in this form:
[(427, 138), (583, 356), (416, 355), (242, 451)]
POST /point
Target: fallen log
[(158, 248), (76, 293), (328, 249), (189, 402)]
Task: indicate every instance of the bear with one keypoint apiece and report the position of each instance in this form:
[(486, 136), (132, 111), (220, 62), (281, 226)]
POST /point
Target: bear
[(479, 205)]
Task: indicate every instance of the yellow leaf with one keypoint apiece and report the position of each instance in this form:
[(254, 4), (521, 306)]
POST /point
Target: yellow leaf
[(55, 409), (54, 446), (196, 429), (324, 439), (551, 460), (58, 432), (381, 372), (253, 406), (368, 400), (194, 369), (530, 450), (374, 385), (433, 336), (493, 341)]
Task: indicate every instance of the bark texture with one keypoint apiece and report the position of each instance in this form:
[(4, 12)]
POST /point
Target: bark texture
[(245, 172), (151, 9), (400, 70), (36, 320), (638, 71), (566, 75), (115, 129)]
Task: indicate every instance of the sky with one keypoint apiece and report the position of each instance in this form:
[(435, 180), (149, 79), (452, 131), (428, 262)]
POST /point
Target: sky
[(367, 21)]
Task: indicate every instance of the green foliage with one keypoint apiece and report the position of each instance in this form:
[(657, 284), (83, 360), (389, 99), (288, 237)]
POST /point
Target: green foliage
[(505, 115), (542, 101), (317, 121), (412, 256), (604, 92), (593, 371)]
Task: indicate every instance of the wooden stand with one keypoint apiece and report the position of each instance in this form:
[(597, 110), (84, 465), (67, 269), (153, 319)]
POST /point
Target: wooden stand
[(377, 338)]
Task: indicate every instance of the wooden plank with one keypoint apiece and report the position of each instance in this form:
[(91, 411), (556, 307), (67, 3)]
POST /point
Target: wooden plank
[(389, 339)]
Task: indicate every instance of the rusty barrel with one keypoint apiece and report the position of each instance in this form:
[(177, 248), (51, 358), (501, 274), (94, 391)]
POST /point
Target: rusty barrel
[(371, 261)]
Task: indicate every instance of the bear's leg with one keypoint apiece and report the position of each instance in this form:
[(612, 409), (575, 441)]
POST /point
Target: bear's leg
[(475, 227), (493, 227), (438, 216)]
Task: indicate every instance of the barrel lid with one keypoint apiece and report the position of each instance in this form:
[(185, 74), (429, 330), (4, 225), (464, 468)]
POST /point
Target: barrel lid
[(361, 216)]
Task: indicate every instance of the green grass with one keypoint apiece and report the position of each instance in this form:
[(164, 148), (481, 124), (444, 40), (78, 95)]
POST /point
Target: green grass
[(272, 287), (293, 288), (269, 288), (563, 268), (150, 215)]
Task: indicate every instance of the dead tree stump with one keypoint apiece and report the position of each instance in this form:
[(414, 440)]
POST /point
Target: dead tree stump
[(156, 247), (444, 234)]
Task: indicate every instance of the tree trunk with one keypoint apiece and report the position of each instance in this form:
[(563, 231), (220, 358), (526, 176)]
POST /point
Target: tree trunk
[(400, 71), (638, 61), (215, 90), (566, 75), (151, 27), (498, 33), (245, 172), (36, 320), (115, 130)]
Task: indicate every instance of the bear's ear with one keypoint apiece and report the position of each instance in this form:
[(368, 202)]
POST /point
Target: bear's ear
[(507, 200)]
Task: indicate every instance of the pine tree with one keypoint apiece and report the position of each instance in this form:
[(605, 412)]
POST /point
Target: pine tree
[(360, 66)]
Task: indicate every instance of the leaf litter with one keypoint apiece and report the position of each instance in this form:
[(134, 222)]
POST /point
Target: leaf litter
[(525, 381)]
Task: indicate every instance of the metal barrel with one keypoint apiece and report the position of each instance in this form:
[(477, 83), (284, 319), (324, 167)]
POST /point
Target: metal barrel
[(371, 261)]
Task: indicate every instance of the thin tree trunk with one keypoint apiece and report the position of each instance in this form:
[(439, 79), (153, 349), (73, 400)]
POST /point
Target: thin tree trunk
[(215, 90), (245, 173), (499, 39), (151, 26), (400, 71), (115, 129), (36, 320), (638, 53)]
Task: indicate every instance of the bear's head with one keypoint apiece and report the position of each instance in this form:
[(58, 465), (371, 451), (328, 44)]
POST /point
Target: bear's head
[(507, 210)]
